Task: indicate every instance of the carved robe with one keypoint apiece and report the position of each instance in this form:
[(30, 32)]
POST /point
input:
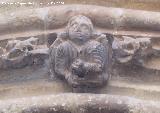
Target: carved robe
[(94, 54)]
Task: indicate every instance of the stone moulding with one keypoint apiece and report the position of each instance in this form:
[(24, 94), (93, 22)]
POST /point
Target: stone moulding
[(137, 51), (78, 103), (57, 17)]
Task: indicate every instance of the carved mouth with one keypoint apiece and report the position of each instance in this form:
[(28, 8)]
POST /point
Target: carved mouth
[(79, 34)]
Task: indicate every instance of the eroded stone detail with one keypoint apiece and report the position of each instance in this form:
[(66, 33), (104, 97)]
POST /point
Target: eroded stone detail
[(18, 54), (80, 55), (134, 50)]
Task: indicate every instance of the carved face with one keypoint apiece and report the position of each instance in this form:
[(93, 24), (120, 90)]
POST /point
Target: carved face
[(79, 29)]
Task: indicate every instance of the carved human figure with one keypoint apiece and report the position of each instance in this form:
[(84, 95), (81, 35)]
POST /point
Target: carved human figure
[(80, 55)]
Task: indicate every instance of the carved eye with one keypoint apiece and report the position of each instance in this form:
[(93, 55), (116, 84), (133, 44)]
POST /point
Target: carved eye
[(75, 24)]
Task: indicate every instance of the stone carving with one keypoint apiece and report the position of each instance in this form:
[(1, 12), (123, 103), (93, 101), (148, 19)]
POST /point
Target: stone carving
[(133, 50), (18, 54), (80, 55)]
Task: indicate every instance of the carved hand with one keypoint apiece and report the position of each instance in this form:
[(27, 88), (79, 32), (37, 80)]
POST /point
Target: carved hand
[(93, 67), (77, 68)]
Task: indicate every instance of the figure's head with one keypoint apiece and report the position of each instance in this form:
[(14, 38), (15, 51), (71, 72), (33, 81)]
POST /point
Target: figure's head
[(79, 28)]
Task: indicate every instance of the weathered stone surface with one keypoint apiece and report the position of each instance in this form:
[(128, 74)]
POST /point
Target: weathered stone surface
[(57, 17), (136, 51), (81, 56), (135, 59), (18, 54), (140, 50), (127, 48), (78, 103)]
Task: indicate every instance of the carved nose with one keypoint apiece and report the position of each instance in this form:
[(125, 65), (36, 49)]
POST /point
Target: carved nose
[(78, 29)]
